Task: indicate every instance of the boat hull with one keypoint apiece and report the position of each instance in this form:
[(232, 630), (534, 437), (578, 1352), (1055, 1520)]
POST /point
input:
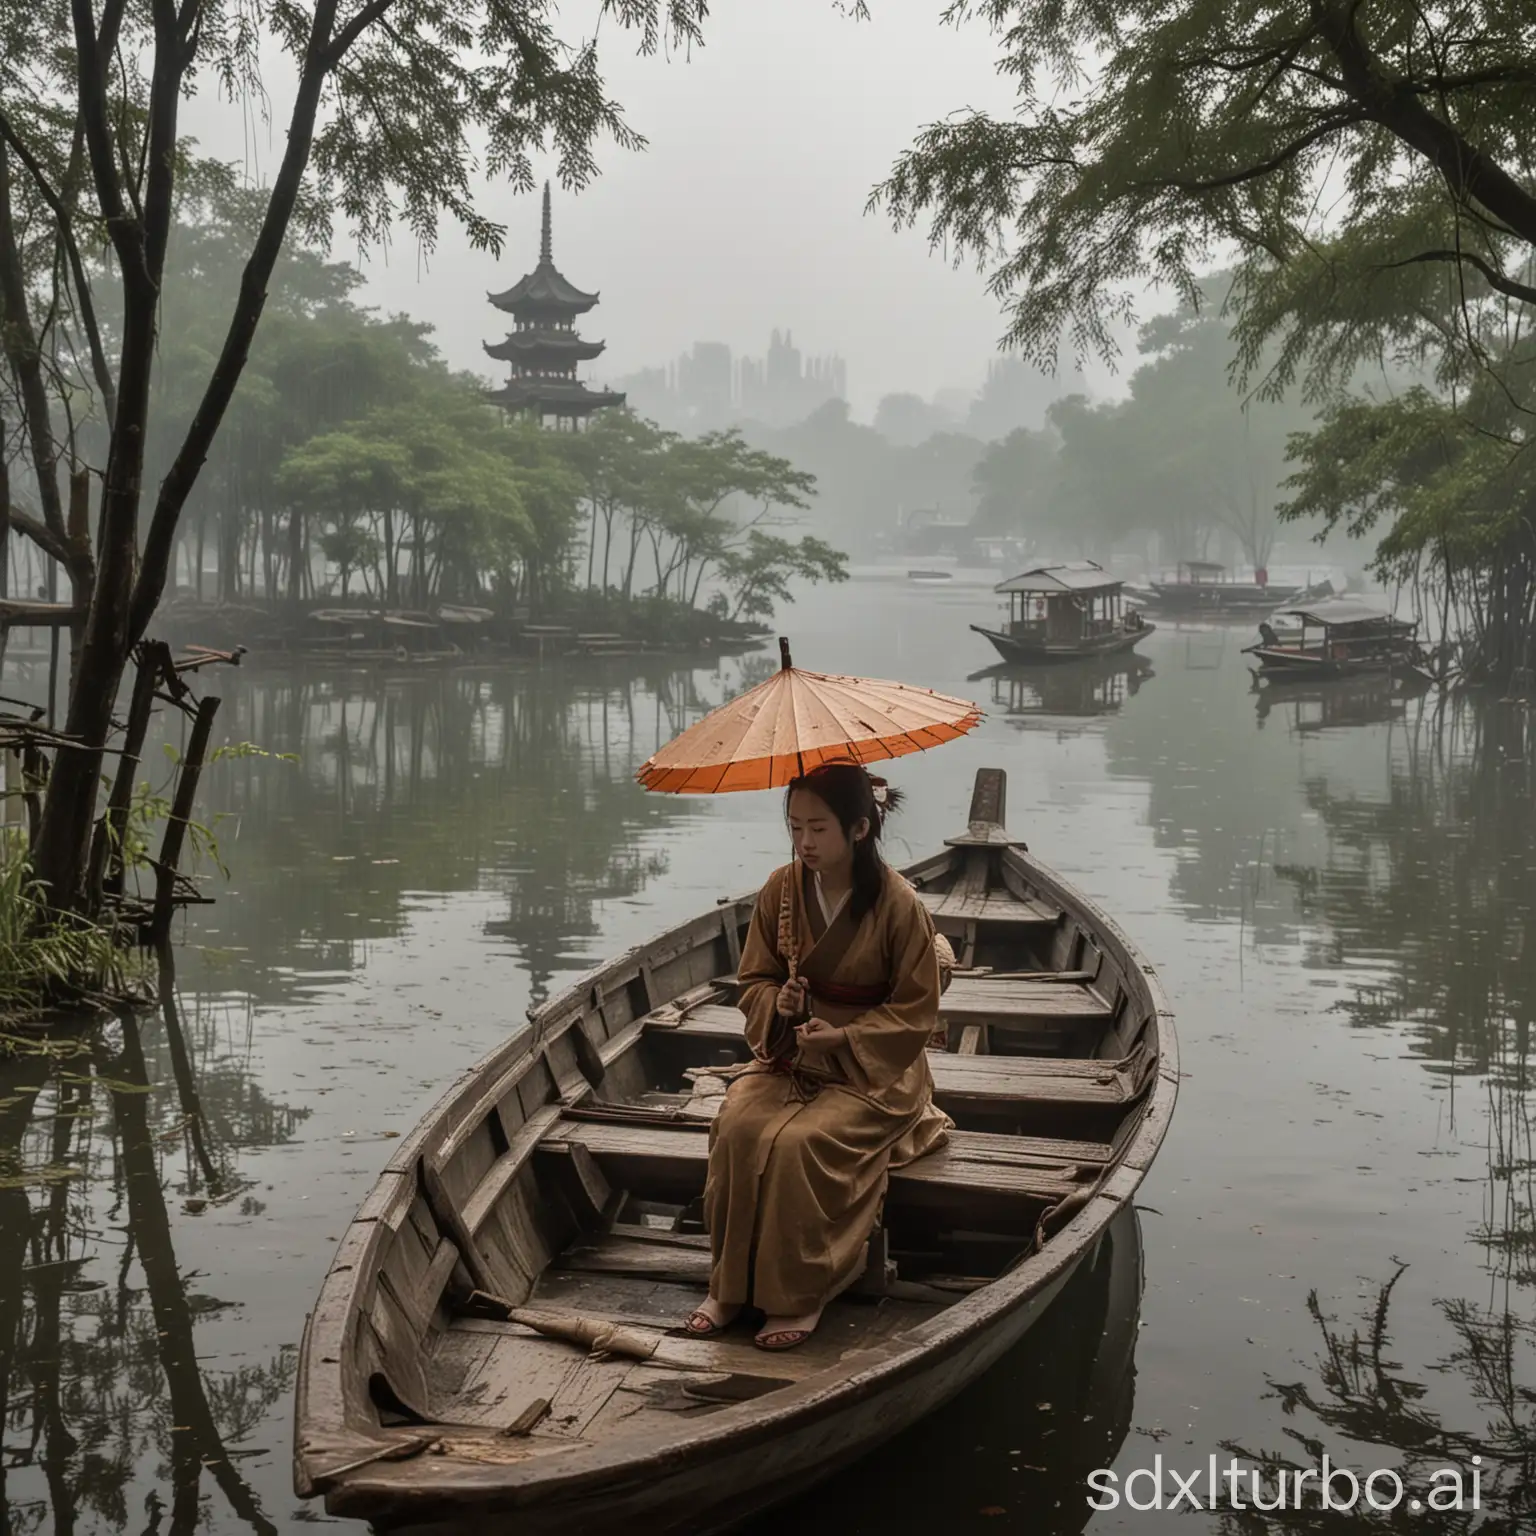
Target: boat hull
[(1286, 667), (1022, 652), (1219, 598), (707, 1494)]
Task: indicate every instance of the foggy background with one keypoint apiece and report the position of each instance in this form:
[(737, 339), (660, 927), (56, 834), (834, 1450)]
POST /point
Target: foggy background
[(744, 215)]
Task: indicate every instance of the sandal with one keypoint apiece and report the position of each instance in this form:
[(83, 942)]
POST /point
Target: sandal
[(700, 1325), (781, 1338)]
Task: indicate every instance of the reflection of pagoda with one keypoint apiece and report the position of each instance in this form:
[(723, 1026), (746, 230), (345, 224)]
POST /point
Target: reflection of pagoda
[(544, 348)]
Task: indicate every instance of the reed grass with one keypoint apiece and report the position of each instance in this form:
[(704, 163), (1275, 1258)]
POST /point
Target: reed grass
[(46, 961)]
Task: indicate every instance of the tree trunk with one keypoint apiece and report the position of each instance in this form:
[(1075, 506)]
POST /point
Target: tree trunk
[(5, 538), (295, 556)]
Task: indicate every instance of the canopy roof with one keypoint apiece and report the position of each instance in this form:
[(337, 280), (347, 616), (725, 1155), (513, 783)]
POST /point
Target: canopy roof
[(1075, 576), (544, 290), (1201, 565), (1337, 611)]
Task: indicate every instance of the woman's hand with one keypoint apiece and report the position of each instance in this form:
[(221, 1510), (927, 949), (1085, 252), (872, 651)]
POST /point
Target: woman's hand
[(791, 1000), (818, 1038)]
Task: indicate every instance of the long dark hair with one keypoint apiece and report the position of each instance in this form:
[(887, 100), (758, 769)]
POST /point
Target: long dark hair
[(853, 795)]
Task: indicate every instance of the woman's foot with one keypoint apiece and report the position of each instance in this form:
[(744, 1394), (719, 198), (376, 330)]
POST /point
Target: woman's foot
[(786, 1332), (711, 1317)]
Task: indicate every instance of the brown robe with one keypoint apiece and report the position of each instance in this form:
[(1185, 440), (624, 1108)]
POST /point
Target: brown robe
[(798, 1160)]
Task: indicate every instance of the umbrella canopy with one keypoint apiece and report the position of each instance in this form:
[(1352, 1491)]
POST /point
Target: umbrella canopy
[(797, 720)]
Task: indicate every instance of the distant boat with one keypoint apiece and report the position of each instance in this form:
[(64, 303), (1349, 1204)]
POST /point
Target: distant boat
[(1063, 613), (1203, 586), (1338, 637), (930, 575)]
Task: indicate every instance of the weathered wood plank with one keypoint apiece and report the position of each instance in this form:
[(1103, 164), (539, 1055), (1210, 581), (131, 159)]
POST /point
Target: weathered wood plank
[(977, 1078), (1004, 1001), (993, 1173), (629, 1256), (499, 1176), (1056, 1148), (988, 906)]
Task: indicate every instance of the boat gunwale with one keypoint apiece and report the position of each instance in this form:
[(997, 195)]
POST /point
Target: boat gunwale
[(858, 1375)]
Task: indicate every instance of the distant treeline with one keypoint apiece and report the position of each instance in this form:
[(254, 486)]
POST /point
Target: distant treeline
[(353, 462), (1176, 467)]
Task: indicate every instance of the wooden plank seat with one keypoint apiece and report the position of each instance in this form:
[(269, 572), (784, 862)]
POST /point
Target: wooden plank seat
[(956, 906), (987, 1180), (999, 1001), (1004, 1001), (980, 1080), (703, 1105)]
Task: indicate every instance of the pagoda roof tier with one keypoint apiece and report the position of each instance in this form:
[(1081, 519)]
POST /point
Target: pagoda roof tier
[(554, 397), (544, 290), (528, 347)]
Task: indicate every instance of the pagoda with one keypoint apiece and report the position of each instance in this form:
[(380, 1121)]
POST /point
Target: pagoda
[(544, 349)]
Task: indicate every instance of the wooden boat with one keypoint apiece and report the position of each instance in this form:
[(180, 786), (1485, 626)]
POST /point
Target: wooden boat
[(1064, 613), (1204, 586), (930, 575), (550, 1202), (1338, 638)]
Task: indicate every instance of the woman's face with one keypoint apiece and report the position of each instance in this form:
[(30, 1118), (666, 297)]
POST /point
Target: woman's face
[(818, 835)]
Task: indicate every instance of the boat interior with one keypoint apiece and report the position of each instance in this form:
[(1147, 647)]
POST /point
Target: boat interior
[(562, 1178)]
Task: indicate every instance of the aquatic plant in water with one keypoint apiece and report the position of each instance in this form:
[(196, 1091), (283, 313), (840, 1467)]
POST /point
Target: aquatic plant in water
[(44, 964)]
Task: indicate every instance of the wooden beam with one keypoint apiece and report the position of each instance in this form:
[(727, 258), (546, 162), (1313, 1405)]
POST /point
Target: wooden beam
[(16, 613)]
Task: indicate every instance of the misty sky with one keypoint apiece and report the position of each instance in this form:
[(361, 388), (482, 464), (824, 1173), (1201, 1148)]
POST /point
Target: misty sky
[(744, 213)]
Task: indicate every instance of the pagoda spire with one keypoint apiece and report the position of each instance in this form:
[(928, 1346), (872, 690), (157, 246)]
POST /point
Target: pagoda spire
[(546, 237)]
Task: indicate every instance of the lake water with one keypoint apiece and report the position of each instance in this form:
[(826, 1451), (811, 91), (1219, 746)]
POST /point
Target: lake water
[(1333, 1253)]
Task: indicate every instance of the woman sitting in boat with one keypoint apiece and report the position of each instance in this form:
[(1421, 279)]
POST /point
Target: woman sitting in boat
[(800, 1150)]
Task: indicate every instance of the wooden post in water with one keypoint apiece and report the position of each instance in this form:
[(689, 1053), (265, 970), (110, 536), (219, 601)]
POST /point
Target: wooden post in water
[(105, 876), (176, 826)]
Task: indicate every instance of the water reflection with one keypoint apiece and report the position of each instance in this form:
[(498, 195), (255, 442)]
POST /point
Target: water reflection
[(367, 790), (1031, 696), (514, 781), (1014, 1450), (1432, 885), (105, 1407), (1433, 882), (1384, 868), (1330, 706), (1363, 1401)]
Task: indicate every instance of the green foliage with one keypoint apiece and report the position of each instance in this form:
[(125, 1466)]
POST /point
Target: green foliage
[(42, 962), (760, 571), (1150, 135), (1373, 168), (1450, 486), (699, 507)]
